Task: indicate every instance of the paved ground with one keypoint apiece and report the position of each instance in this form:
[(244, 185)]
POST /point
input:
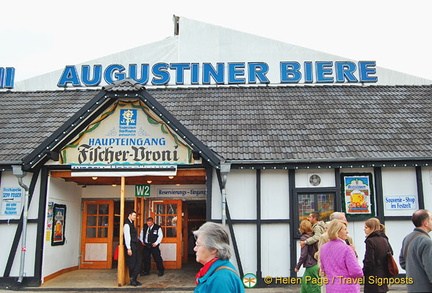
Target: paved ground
[(179, 281)]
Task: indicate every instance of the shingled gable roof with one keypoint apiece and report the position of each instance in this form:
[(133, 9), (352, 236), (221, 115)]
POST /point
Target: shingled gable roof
[(92, 105), (255, 124)]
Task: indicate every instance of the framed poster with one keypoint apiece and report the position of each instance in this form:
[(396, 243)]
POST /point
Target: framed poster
[(357, 194), (58, 226)]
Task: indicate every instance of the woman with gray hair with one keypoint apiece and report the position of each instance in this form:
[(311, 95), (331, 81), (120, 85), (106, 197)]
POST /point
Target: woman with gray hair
[(213, 250)]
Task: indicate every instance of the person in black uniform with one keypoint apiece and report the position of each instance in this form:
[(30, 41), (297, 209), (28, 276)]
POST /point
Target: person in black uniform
[(151, 236), (133, 256)]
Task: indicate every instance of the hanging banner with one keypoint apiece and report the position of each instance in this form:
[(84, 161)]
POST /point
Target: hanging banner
[(49, 221), (357, 194), (58, 227), (128, 133)]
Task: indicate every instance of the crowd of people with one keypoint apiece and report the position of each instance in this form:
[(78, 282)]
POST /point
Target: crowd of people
[(212, 248), (331, 252), (327, 254)]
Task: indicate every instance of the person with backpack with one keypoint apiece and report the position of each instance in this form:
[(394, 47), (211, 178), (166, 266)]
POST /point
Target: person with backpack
[(310, 280), (416, 253)]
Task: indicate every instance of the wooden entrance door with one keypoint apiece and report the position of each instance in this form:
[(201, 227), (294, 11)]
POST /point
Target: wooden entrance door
[(168, 214), (97, 234)]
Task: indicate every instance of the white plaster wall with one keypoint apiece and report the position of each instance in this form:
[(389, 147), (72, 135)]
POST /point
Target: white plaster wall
[(216, 199), (427, 187), (327, 178), (275, 198), (246, 238), (355, 229), (8, 231), (399, 182), (241, 194), (108, 191), (64, 256), (396, 232), (276, 250)]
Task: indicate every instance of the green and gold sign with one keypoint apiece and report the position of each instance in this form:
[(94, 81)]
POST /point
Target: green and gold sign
[(127, 133)]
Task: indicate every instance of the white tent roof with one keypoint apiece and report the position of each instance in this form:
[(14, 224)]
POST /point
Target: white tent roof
[(199, 42)]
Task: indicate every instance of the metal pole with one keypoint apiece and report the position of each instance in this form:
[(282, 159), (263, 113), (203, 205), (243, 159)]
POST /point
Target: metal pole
[(224, 170)]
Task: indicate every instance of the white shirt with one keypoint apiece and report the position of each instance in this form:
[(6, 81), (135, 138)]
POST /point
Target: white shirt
[(145, 240), (127, 237)]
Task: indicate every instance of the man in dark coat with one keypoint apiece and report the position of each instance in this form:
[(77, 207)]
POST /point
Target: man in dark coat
[(416, 253), (133, 257), (151, 236)]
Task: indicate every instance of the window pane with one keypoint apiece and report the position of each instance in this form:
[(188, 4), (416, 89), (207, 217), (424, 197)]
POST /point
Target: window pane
[(92, 209), (103, 232), (160, 209), (171, 232), (325, 206), (306, 205), (91, 232), (323, 203), (172, 209), (91, 221), (103, 209), (103, 221), (171, 221), (160, 220)]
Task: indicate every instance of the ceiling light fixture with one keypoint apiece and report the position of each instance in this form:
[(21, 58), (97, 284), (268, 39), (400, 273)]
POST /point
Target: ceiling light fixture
[(170, 177), (149, 181), (94, 177)]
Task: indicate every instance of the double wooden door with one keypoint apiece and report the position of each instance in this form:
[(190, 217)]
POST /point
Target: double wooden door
[(168, 214), (97, 234)]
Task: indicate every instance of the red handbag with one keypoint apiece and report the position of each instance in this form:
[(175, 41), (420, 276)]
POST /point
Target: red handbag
[(392, 267)]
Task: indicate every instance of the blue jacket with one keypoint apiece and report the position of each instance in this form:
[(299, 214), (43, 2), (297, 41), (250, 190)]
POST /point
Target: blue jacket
[(221, 281)]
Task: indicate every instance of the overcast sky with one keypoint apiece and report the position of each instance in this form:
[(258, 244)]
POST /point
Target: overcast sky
[(42, 36)]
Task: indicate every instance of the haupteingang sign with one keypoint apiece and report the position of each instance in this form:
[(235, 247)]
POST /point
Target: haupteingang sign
[(128, 133), (159, 74)]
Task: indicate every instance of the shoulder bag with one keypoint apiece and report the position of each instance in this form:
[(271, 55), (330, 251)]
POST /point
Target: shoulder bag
[(392, 267)]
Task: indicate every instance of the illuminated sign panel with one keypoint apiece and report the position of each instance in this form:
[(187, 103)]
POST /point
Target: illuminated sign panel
[(128, 133), (221, 73)]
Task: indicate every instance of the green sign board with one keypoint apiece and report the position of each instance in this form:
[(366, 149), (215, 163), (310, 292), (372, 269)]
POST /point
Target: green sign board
[(142, 190)]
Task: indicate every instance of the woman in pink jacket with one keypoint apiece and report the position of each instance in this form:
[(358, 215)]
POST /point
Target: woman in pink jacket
[(338, 261)]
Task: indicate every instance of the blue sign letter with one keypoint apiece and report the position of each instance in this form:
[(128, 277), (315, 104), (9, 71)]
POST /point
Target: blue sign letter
[(323, 69), (144, 73), (114, 71), (180, 68), (218, 75), (258, 70), (290, 72), (161, 75), (70, 75), (366, 68), (345, 70), (97, 75)]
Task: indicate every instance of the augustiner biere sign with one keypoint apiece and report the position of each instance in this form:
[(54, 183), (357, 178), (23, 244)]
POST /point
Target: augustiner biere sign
[(127, 133)]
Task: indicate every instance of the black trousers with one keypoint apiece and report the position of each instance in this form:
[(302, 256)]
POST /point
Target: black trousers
[(155, 251), (133, 261)]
